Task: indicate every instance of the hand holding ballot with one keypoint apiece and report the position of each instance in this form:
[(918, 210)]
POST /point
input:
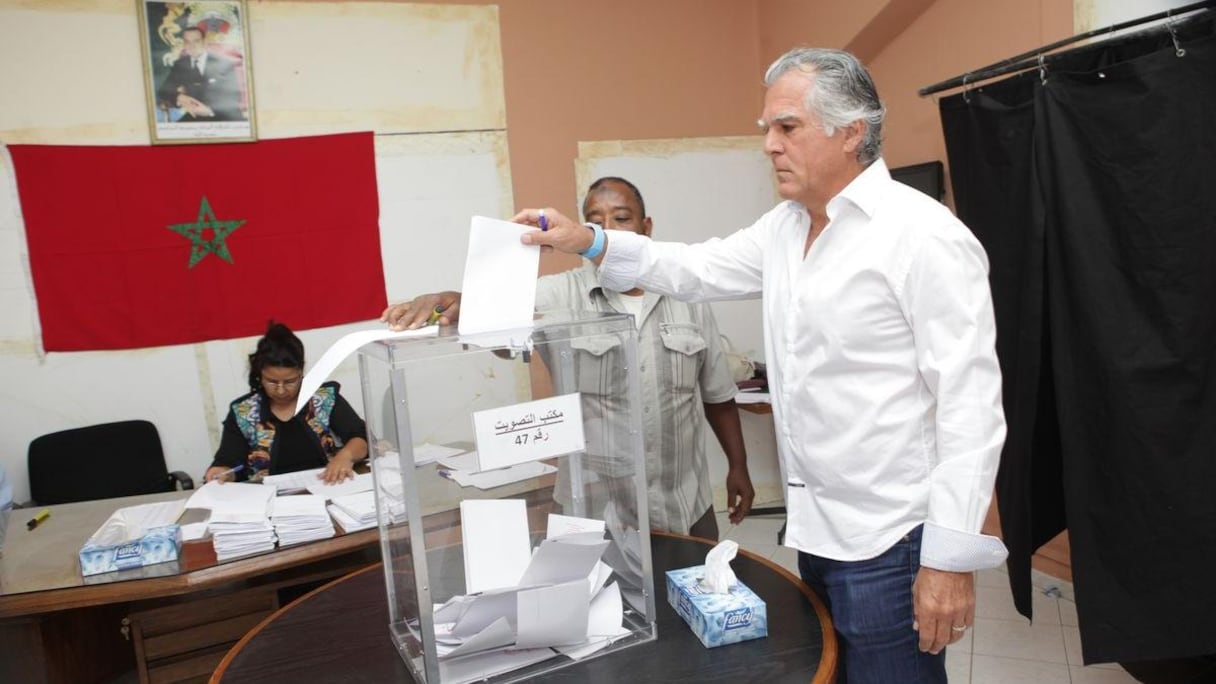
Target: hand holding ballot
[(562, 233)]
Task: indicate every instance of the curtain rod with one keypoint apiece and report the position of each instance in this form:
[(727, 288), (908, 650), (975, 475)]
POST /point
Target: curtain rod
[(1027, 59)]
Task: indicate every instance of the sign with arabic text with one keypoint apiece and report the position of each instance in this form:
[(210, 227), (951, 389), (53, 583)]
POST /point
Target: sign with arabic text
[(529, 431)]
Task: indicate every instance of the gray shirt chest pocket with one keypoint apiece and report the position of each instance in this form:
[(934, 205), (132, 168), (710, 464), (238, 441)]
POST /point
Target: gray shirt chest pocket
[(685, 352)]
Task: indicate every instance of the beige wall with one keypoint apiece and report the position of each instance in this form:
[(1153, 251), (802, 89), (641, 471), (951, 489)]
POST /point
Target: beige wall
[(576, 71), (643, 69)]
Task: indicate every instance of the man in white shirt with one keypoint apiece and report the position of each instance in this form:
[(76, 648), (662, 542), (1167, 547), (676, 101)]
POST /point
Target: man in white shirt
[(880, 339)]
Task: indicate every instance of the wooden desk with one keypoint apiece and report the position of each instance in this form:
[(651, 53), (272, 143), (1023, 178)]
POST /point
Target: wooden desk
[(340, 633), (57, 626)]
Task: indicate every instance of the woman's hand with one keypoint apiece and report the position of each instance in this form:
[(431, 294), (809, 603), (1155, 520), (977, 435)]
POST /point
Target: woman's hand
[(218, 474), (341, 467), (417, 312)]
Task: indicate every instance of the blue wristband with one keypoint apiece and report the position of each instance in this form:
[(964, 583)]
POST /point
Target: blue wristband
[(597, 245)]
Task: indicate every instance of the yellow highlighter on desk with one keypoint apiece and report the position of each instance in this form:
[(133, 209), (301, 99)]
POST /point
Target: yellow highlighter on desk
[(37, 519)]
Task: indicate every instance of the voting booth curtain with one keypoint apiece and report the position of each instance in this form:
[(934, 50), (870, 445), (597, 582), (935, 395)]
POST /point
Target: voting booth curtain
[(1091, 186)]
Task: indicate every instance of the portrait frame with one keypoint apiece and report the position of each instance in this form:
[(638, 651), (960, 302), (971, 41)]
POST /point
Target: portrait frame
[(198, 75)]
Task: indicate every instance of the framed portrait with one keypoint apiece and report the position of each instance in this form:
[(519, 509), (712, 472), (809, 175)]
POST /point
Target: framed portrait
[(197, 71)]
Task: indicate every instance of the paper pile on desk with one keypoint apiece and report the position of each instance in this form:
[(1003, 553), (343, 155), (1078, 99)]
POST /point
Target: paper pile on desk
[(354, 512), (557, 597), (133, 537), (300, 518), (463, 469), (310, 481), (240, 517)]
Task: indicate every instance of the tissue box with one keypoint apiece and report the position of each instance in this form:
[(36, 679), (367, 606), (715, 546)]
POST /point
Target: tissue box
[(716, 619), (157, 545)]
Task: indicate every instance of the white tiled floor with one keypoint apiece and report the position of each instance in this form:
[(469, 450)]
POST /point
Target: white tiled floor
[(1003, 647)]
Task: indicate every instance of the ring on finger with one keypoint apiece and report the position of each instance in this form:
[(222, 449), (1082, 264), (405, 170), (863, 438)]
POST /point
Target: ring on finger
[(958, 628)]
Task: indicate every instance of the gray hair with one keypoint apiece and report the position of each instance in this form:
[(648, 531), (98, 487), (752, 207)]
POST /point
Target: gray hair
[(841, 93)]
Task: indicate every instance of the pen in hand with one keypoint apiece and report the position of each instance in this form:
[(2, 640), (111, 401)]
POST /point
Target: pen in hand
[(231, 471), (37, 519), (435, 315), (544, 222)]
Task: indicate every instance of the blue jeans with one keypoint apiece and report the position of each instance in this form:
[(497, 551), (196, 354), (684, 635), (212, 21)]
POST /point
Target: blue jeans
[(871, 606)]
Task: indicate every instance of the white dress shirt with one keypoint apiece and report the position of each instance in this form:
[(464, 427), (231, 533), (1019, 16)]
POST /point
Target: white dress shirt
[(881, 364)]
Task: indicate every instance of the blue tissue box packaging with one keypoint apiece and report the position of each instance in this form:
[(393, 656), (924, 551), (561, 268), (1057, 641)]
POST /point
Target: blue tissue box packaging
[(716, 619), (158, 545)]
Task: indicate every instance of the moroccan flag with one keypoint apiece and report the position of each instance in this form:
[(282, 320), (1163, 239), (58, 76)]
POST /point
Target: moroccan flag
[(147, 246)]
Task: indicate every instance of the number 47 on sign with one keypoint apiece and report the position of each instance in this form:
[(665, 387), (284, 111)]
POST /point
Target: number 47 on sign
[(529, 431)]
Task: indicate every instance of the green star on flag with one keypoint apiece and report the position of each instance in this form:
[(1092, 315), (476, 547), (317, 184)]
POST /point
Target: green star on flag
[(197, 233)]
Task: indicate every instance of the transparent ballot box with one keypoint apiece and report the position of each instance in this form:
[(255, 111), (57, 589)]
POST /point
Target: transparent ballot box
[(510, 494)]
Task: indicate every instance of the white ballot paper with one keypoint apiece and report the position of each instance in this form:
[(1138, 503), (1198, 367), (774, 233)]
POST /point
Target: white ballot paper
[(555, 615), (489, 479), (232, 499), (496, 543), (499, 288), (564, 559), (429, 453), (560, 525), (361, 482), (559, 601), (346, 346), (604, 624)]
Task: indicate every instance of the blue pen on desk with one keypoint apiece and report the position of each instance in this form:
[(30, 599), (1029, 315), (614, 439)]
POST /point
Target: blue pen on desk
[(446, 474), (231, 471), (544, 222)]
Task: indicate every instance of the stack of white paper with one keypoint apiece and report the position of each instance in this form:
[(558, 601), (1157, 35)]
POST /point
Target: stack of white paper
[(359, 483), (294, 482), (354, 511), (463, 469), (300, 518), (240, 512)]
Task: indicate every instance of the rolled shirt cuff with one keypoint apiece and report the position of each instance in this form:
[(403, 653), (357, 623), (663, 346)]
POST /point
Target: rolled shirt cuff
[(619, 269), (943, 548)]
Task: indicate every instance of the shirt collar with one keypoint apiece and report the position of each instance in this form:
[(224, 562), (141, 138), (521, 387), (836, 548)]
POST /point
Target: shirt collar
[(864, 191)]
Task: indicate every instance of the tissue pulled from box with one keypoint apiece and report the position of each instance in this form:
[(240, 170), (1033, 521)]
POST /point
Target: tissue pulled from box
[(716, 619), (133, 537), (719, 578)]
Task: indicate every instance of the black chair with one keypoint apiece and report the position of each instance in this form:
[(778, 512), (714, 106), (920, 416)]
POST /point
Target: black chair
[(100, 462)]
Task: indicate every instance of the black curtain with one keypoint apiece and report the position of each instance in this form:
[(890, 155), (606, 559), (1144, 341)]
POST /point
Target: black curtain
[(1093, 190)]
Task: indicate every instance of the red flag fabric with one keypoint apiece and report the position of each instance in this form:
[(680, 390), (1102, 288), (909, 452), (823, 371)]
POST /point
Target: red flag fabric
[(146, 246)]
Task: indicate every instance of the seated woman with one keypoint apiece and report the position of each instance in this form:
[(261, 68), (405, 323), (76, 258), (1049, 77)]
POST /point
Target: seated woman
[(263, 433)]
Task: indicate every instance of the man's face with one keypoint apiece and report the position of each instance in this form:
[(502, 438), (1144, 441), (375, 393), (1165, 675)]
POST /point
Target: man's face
[(811, 166), (194, 42), (615, 207)]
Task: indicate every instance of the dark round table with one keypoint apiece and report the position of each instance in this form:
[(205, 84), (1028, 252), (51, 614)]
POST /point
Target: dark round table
[(339, 633)]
